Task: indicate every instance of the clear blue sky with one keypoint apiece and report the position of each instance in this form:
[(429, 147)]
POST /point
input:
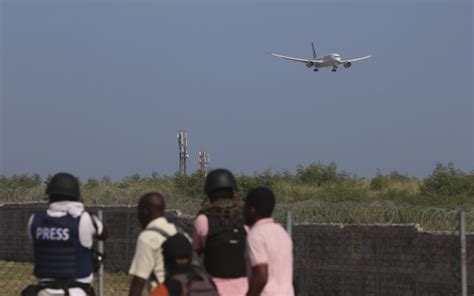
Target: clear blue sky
[(102, 87)]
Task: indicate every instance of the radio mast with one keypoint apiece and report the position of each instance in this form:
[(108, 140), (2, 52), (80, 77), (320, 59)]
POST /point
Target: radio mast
[(204, 158), (183, 151)]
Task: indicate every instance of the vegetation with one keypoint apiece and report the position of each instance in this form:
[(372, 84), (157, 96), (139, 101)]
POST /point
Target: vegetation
[(316, 193)]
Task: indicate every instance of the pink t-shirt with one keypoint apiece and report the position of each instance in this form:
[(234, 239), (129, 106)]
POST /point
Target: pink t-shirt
[(268, 243), (226, 287)]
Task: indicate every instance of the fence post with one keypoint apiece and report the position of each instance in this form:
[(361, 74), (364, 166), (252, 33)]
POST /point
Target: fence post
[(100, 247), (289, 222), (462, 234)]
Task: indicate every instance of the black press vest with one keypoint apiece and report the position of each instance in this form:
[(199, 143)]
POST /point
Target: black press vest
[(58, 252)]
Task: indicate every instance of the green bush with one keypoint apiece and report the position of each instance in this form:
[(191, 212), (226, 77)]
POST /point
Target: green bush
[(449, 181), (381, 181), (20, 181), (191, 186), (91, 183), (447, 187), (319, 174)]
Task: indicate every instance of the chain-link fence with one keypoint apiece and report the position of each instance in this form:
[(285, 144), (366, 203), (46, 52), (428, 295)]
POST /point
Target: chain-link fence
[(16, 248)]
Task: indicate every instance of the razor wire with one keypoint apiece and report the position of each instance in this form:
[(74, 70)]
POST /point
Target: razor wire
[(385, 212), (101, 196), (21, 195), (308, 211)]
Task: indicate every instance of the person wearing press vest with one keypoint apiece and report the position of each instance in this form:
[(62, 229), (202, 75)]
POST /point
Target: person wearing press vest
[(62, 238), (219, 234)]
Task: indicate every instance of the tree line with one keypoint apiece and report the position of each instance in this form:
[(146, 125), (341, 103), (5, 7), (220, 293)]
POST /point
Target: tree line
[(444, 180)]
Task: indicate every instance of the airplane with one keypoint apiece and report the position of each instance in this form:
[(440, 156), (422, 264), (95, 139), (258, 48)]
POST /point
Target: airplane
[(331, 60)]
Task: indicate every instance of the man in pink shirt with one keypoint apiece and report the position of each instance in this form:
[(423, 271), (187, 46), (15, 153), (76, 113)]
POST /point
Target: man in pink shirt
[(219, 235), (270, 248)]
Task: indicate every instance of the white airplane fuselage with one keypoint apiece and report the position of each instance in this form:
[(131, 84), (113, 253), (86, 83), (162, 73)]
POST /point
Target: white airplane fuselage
[(330, 60)]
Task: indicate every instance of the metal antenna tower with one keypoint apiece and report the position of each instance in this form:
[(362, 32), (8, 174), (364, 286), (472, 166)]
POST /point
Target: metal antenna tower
[(183, 151), (204, 158)]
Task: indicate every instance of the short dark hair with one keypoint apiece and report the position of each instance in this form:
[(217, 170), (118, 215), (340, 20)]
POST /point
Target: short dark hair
[(262, 200), (152, 200)]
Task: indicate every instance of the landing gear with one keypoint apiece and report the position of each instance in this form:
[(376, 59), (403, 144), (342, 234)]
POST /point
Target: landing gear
[(316, 70), (334, 69)]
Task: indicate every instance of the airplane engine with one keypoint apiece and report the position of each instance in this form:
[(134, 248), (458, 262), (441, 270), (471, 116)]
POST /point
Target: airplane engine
[(309, 64), (347, 65)]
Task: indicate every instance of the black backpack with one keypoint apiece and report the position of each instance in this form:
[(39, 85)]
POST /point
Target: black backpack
[(224, 253), (195, 282)]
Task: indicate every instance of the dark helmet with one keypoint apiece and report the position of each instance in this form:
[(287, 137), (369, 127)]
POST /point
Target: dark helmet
[(64, 185), (219, 179)]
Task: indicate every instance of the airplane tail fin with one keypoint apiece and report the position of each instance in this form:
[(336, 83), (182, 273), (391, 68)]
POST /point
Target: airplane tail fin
[(314, 51)]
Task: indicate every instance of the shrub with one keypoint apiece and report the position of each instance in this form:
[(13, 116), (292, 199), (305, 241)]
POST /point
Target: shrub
[(319, 174), (192, 185), (381, 181), (266, 178), (20, 181), (91, 183), (448, 180)]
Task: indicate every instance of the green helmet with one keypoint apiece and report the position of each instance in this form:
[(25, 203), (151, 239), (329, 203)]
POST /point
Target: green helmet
[(65, 186), (219, 179)]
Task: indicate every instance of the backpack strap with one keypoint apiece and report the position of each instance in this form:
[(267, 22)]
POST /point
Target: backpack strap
[(164, 233), (160, 231)]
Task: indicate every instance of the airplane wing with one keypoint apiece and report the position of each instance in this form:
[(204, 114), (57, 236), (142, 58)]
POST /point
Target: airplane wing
[(292, 58), (358, 59)]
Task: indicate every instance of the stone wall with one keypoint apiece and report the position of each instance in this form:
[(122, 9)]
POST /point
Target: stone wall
[(337, 260)]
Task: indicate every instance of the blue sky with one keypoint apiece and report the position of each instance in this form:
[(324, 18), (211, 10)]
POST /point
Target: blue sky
[(102, 87)]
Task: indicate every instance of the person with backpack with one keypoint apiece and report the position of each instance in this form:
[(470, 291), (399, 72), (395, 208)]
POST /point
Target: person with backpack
[(183, 278), (219, 234), (270, 248), (147, 267), (62, 239)]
